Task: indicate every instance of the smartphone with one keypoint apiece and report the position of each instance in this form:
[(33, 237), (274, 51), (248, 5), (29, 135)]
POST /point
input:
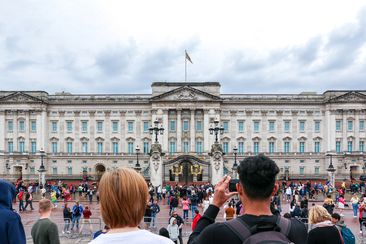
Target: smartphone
[(232, 185)]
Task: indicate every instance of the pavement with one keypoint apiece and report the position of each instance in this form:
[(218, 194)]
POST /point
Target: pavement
[(30, 217)]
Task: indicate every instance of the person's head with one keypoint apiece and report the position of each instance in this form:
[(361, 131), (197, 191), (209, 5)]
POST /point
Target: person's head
[(173, 221), (175, 214), (66, 205), (123, 198), (318, 214), (86, 207), (329, 196), (45, 206), (8, 193), (287, 215), (230, 204), (257, 177), (164, 232), (77, 203), (196, 211), (335, 218)]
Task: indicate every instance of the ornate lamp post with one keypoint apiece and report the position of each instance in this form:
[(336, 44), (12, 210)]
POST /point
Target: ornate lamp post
[(137, 166), (331, 169), (235, 165), (156, 130), (216, 130), (42, 169)]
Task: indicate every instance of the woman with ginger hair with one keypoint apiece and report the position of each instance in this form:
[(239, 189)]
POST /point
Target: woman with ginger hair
[(323, 231), (123, 197)]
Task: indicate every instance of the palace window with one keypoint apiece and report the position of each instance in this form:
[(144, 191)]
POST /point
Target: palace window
[(286, 147), (10, 126), (241, 148), (115, 126), (256, 126), (69, 147), (302, 147), (172, 147), (226, 126), (338, 146), (241, 126), (130, 126), (286, 126), (199, 126), (350, 125), (146, 126), (69, 126), (54, 126), (226, 147), (302, 126), (21, 125), (130, 148), (84, 126), (100, 147), (84, 147), (362, 146), (256, 147), (146, 147), (350, 146), (185, 146), (317, 147), (362, 125), (317, 126), (338, 125), (33, 126), (10, 147), (185, 125), (172, 126), (54, 147), (271, 147), (21, 147), (271, 126), (199, 149), (33, 147), (115, 147), (99, 126)]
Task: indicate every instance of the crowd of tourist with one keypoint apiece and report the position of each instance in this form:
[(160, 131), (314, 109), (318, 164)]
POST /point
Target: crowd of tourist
[(130, 207)]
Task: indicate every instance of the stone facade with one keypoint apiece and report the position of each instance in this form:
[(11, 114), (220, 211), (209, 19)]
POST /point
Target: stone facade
[(87, 134)]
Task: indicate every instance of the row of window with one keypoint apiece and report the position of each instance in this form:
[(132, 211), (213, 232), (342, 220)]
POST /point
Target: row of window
[(350, 125), (99, 126), (22, 125)]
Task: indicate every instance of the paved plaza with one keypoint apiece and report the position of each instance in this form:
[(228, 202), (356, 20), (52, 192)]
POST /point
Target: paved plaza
[(30, 217)]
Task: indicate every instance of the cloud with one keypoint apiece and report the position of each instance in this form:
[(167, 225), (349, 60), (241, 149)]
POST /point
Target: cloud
[(53, 47)]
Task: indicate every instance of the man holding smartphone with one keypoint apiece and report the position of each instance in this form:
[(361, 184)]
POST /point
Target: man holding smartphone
[(257, 177)]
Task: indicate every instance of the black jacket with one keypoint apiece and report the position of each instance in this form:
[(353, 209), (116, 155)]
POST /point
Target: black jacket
[(208, 232)]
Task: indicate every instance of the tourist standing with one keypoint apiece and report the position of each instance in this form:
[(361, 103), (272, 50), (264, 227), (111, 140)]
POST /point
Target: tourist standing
[(28, 200), (173, 230), (77, 210), (324, 231), (180, 224), (354, 201), (67, 218), (185, 207), (155, 209), (11, 227), (90, 195), (86, 220), (123, 198), (196, 218), (44, 230), (21, 199), (205, 204)]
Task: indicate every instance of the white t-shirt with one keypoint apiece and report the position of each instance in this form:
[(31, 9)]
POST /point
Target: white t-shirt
[(131, 237)]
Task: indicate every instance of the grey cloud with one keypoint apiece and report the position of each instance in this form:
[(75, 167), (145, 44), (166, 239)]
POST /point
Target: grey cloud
[(115, 60)]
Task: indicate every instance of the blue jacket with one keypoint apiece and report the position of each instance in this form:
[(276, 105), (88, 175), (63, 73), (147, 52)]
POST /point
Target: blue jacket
[(81, 209), (11, 227)]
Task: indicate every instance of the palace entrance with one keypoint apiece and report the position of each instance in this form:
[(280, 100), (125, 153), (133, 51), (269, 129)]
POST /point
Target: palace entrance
[(186, 169)]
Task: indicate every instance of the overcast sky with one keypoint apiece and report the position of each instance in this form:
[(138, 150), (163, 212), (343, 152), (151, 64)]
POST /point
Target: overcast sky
[(90, 46)]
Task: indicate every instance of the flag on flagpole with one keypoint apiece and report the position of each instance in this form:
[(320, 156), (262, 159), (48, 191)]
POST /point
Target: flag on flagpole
[(188, 58)]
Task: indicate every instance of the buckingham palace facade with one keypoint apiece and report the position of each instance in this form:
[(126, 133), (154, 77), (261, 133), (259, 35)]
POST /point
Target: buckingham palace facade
[(89, 134)]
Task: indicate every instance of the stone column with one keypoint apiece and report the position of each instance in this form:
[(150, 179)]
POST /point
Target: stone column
[(192, 131), (179, 129), (206, 133), (156, 165), (165, 125), (216, 163)]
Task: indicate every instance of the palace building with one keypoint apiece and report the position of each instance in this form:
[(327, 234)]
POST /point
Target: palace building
[(85, 135)]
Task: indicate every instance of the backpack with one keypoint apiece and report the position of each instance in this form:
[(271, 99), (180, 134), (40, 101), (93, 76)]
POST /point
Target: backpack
[(348, 236), (261, 233)]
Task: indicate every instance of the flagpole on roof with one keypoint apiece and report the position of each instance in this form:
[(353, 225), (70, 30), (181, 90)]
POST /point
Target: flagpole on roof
[(185, 65), (186, 57)]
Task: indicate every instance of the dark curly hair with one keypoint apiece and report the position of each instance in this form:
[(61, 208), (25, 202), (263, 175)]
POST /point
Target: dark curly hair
[(258, 176)]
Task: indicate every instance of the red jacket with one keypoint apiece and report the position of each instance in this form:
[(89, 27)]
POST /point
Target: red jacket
[(87, 214), (195, 221)]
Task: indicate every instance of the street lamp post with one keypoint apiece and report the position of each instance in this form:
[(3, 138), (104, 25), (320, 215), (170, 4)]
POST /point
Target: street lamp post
[(137, 166), (216, 130), (42, 169), (235, 165), (156, 130), (331, 170)]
